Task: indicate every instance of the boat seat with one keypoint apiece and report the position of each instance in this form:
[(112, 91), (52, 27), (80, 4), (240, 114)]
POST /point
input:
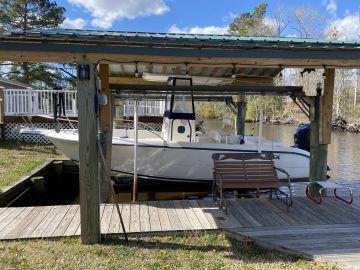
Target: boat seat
[(325, 185), (235, 171)]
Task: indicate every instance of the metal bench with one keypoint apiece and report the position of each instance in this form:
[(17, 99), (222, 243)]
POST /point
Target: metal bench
[(325, 185), (235, 171)]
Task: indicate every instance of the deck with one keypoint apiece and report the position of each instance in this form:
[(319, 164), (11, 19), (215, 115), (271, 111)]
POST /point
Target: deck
[(330, 231)]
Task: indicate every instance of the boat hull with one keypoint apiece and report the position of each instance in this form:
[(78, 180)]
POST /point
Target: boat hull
[(175, 161)]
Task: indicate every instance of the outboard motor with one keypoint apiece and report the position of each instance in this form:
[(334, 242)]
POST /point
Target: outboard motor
[(302, 137)]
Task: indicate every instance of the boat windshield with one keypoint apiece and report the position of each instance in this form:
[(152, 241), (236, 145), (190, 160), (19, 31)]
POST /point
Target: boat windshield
[(182, 105)]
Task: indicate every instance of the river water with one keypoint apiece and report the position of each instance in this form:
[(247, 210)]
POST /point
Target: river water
[(343, 152)]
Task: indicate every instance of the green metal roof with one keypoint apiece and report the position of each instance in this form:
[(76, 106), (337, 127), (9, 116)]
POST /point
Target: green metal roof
[(176, 39), (190, 48)]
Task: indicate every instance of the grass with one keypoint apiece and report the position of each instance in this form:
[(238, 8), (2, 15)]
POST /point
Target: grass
[(18, 159), (192, 251)]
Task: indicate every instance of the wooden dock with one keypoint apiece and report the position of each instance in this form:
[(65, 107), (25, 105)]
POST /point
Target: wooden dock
[(330, 231)]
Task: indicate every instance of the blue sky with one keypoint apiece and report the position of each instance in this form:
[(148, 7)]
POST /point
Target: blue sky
[(202, 16)]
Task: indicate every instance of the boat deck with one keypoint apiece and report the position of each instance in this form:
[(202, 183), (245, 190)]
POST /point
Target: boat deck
[(330, 231)]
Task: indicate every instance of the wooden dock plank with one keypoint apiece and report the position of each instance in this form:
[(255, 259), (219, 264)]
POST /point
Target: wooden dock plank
[(9, 218), (74, 224), (330, 231), (308, 209), (16, 232), (49, 230), (292, 216), (185, 223), (163, 216), (6, 213), (115, 226), (194, 222), (173, 216), (245, 218), (65, 222), (345, 211), (44, 222), (208, 212), (155, 225), (125, 213), (258, 213), (11, 222), (222, 219), (275, 214), (78, 231), (135, 217), (287, 231), (44, 210), (144, 217), (106, 218), (200, 215), (2, 209)]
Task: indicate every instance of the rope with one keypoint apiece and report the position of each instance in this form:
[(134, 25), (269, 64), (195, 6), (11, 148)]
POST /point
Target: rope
[(112, 189)]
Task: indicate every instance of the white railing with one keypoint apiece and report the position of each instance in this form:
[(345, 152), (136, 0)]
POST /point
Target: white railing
[(35, 102), (145, 107)]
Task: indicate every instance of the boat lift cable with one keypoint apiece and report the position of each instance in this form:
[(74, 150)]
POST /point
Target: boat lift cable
[(260, 125), (102, 157)]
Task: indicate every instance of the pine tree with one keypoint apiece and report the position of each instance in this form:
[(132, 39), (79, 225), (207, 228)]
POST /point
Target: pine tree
[(252, 24), (27, 15)]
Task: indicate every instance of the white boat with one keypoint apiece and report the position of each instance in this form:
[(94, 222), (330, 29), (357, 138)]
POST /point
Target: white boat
[(178, 160), (179, 153)]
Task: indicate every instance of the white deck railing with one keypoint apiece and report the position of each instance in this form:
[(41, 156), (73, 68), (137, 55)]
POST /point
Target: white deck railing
[(40, 102), (35, 102), (145, 107)]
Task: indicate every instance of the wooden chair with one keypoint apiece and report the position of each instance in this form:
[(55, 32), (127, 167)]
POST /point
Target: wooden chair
[(235, 171)]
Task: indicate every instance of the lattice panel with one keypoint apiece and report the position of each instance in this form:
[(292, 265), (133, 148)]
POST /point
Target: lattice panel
[(12, 134)]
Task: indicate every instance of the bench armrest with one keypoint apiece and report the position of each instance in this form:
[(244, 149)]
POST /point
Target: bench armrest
[(285, 172), (282, 170)]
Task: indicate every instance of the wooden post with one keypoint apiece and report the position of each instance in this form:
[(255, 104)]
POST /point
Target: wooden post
[(327, 107), (318, 152), (241, 113), (106, 128), (88, 156), (320, 133)]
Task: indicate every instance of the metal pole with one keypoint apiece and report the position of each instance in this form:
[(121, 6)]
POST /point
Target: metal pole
[(357, 87), (260, 126), (134, 197)]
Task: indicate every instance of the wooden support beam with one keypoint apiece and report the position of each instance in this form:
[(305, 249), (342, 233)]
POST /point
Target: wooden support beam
[(240, 102), (206, 89), (88, 157), (326, 107), (240, 80), (321, 123), (64, 53), (106, 128), (318, 152), (320, 134)]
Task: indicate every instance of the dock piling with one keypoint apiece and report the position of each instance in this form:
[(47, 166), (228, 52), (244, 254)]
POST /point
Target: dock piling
[(88, 156)]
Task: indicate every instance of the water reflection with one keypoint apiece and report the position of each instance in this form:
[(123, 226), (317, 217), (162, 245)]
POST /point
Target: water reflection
[(344, 149)]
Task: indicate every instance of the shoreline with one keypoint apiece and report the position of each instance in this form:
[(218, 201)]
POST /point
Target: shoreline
[(338, 124)]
